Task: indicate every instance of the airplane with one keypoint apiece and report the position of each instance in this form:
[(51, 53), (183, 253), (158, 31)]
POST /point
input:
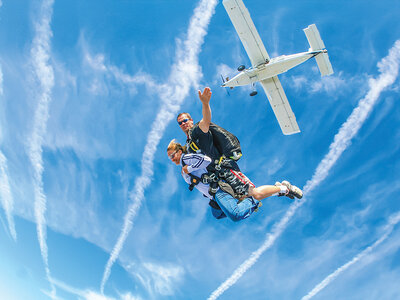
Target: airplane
[(266, 70)]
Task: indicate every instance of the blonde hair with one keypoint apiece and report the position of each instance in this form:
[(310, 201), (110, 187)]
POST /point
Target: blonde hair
[(175, 146)]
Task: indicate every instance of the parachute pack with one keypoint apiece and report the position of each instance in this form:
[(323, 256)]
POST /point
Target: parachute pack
[(227, 143)]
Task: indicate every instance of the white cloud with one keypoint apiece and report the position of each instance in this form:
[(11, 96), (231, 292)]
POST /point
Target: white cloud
[(224, 71), (102, 72), (96, 62), (276, 24), (275, 166), (157, 278), (299, 81), (164, 277), (185, 73), (328, 84), (389, 68), (40, 55), (170, 185), (128, 296), (393, 221), (86, 294), (332, 85), (6, 197), (1, 78)]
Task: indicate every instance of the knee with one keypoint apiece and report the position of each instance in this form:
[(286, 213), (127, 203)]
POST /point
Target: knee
[(235, 218), (234, 215), (256, 195)]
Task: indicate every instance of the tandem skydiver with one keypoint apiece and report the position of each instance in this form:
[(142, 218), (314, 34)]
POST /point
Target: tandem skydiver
[(224, 200), (223, 148)]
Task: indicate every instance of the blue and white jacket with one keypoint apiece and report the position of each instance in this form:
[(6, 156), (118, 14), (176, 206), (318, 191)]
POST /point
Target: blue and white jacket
[(197, 164)]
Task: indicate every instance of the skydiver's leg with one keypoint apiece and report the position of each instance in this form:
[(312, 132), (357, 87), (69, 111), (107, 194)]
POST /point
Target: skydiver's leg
[(293, 191), (264, 191), (234, 210), (217, 213), (243, 186)]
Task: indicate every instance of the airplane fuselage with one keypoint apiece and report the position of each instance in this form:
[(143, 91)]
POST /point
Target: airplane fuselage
[(274, 67)]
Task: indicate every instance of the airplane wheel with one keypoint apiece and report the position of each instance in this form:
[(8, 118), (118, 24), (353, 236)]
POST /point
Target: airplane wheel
[(253, 93), (241, 68)]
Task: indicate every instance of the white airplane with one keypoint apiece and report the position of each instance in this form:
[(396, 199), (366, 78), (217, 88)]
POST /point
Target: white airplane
[(266, 70)]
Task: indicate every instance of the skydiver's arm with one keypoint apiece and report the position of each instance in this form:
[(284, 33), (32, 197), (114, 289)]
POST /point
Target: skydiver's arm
[(205, 97), (194, 162), (185, 169)]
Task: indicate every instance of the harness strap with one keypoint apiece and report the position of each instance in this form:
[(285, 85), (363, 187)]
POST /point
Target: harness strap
[(214, 204), (194, 180), (193, 146)]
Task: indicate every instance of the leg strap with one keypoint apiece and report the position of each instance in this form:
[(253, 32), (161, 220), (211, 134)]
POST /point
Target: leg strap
[(226, 188)]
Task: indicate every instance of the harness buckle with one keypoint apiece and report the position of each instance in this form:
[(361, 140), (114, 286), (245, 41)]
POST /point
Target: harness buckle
[(213, 177)]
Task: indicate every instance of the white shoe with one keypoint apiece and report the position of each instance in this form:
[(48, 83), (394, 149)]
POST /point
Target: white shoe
[(294, 191), (281, 194)]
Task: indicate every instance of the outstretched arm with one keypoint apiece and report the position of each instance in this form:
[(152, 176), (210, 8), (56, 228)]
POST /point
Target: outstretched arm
[(205, 97)]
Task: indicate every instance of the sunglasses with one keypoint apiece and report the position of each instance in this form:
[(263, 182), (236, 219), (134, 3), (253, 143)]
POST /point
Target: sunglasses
[(183, 121), (172, 155)]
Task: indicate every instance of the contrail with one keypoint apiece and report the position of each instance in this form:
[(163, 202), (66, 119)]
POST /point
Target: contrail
[(1, 77), (389, 68), (40, 53), (393, 221), (82, 294), (185, 73), (6, 198)]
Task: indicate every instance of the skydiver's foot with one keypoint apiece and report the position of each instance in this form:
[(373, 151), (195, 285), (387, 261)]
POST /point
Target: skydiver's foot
[(284, 193), (294, 191), (258, 206)]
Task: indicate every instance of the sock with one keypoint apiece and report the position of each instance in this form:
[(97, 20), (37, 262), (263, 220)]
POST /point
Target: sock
[(284, 190)]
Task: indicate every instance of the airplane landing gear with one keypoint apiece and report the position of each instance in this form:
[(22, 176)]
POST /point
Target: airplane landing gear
[(241, 68), (254, 92)]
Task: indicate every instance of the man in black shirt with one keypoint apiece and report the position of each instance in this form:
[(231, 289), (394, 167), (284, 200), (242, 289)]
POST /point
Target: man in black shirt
[(200, 140), (200, 134)]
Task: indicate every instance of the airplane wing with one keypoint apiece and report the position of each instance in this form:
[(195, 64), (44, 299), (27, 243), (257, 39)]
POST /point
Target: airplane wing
[(280, 105), (246, 30)]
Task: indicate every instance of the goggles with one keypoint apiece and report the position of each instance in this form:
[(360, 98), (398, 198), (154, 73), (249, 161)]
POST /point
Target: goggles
[(171, 157), (183, 121)]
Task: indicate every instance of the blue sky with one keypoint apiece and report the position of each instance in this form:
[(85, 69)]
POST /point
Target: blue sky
[(90, 205)]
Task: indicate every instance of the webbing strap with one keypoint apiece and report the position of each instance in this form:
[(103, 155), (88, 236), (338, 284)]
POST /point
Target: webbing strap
[(193, 146), (194, 180)]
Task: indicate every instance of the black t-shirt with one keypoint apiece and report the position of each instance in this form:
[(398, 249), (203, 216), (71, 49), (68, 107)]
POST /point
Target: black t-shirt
[(204, 141)]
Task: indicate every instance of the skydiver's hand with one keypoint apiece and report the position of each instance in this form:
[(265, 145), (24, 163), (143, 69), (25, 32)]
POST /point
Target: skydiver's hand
[(205, 96), (185, 169)]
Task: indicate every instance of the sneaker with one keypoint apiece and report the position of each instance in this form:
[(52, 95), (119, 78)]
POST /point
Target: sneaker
[(258, 206), (294, 191), (283, 194)]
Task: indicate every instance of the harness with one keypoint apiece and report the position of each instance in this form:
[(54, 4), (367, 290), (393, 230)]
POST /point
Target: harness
[(192, 145), (210, 178), (236, 155), (222, 174)]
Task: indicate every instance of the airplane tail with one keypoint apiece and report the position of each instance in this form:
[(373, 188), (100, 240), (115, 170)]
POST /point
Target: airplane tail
[(316, 44)]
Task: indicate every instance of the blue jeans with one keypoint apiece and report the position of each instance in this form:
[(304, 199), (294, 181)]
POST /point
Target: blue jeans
[(234, 210), (217, 213)]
